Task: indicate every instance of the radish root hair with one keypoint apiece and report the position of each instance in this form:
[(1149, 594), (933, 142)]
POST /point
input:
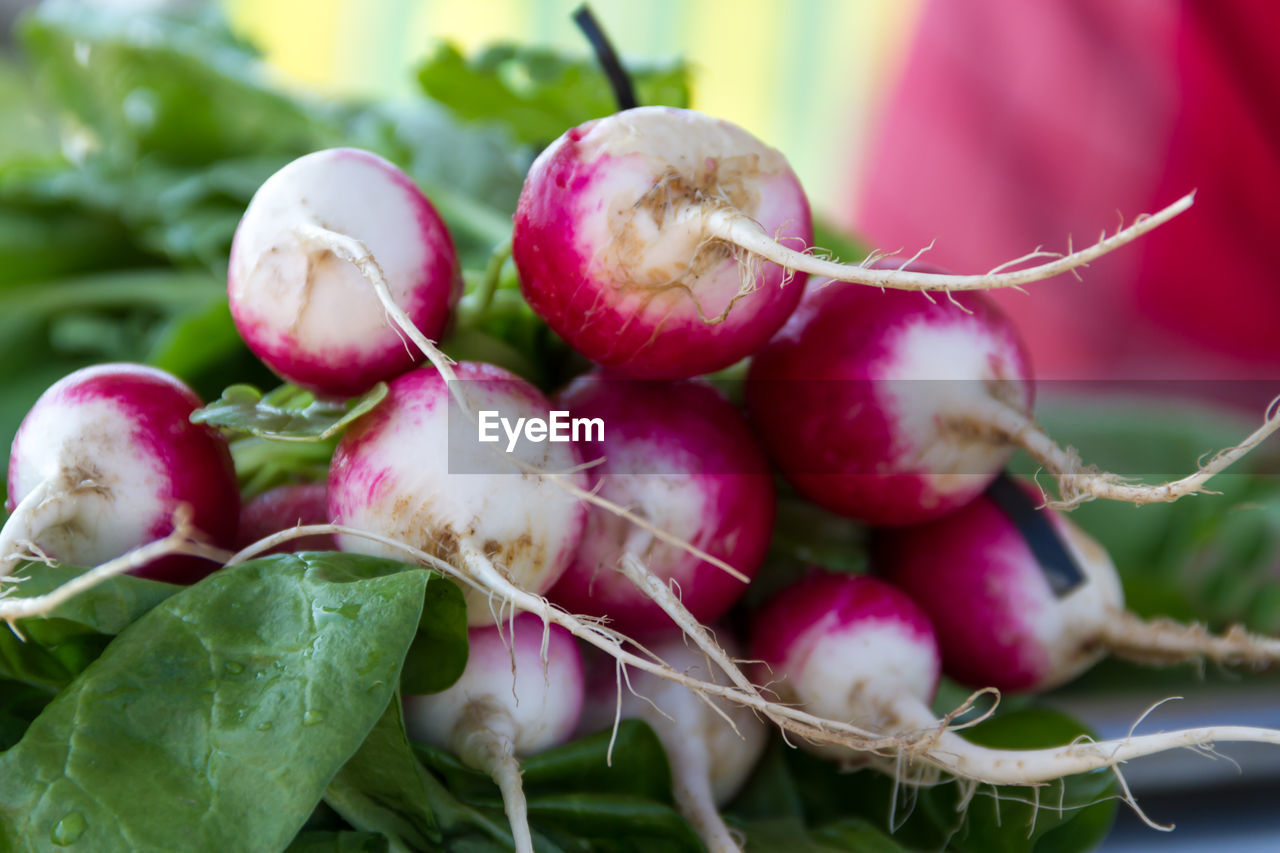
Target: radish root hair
[(1165, 642), (734, 227), (1079, 483), (183, 540), (50, 503), (484, 740), (356, 253)]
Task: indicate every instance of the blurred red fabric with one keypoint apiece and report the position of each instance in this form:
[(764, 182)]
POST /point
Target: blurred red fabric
[(1016, 124)]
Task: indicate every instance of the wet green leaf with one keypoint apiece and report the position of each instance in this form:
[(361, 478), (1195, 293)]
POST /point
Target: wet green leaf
[(286, 414)]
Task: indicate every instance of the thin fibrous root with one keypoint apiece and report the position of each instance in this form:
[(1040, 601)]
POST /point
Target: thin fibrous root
[(50, 503), (661, 594), (691, 785), (356, 253), (921, 738), (968, 760), (1078, 483), (484, 740), (644, 524), (1163, 642), (738, 229), (181, 541)]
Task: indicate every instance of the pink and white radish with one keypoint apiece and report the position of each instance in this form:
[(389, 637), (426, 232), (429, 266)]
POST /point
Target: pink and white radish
[(652, 240), (101, 464), (405, 471), (896, 409), (1023, 600), (681, 457), (712, 750), (339, 258), (520, 693), (284, 507), (611, 250), (847, 398), (854, 648)]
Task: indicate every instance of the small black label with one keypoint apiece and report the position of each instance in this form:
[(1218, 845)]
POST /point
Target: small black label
[(1051, 553)]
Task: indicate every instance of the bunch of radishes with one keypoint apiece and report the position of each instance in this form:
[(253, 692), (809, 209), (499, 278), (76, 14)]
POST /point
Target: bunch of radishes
[(662, 245)]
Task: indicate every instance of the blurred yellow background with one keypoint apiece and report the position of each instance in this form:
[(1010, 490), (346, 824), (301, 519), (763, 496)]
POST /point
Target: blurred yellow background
[(806, 76)]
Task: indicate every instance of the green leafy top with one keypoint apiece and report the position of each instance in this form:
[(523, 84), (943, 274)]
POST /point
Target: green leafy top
[(286, 414), (176, 84), (536, 94)]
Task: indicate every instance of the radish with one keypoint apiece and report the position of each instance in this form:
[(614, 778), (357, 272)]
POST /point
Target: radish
[(284, 507), (521, 693), (338, 258), (712, 750), (854, 648), (652, 240), (897, 409), (411, 471), (681, 457), (101, 464), (1023, 600)]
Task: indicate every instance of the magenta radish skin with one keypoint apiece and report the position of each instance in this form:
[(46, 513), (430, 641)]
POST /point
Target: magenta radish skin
[(284, 507), (846, 647), (835, 399), (683, 458), (127, 428), (607, 261), (998, 621), (543, 700), (311, 316), (390, 475)]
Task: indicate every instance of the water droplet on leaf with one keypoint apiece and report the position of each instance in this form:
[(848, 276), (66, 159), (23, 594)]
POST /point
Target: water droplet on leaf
[(68, 830)]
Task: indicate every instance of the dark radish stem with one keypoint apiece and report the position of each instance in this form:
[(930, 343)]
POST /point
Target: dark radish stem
[(520, 693), (1023, 600), (102, 462), (623, 91), (855, 648), (897, 409)]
